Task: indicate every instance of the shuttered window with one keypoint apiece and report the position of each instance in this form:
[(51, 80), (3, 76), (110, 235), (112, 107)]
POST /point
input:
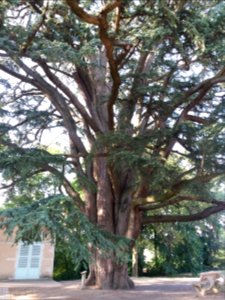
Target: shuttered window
[(23, 256), (28, 263)]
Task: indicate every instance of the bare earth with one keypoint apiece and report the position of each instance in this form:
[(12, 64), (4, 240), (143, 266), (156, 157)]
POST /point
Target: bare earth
[(146, 289)]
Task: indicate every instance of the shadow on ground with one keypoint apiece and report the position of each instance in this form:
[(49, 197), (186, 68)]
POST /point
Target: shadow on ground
[(146, 289)]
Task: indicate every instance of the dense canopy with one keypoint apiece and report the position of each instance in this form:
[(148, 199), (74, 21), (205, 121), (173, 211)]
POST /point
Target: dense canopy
[(137, 89)]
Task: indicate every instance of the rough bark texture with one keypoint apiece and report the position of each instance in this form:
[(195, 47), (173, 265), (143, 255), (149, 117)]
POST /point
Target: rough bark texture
[(107, 274), (114, 215)]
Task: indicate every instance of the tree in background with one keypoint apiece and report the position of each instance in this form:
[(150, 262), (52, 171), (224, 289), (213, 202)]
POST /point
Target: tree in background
[(182, 248), (138, 89)]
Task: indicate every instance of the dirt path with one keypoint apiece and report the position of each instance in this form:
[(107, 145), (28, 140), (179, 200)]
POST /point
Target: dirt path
[(146, 289)]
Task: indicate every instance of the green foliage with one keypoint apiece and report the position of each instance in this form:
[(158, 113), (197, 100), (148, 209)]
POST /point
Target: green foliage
[(57, 218), (183, 248), (31, 189), (121, 150), (66, 265), (12, 161)]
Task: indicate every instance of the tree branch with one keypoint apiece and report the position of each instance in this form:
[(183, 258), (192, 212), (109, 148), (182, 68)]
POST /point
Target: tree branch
[(32, 35), (57, 100), (17, 75), (184, 218), (81, 13), (176, 200), (175, 189), (108, 42), (110, 7), (69, 94), (214, 80), (197, 119), (68, 187), (203, 89), (109, 47)]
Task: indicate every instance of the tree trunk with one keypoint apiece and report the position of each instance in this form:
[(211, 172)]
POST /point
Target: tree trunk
[(105, 273), (156, 250), (135, 262), (114, 214)]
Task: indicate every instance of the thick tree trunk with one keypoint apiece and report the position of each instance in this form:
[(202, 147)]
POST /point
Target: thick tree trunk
[(111, 209), (107, 274), (121, 278)]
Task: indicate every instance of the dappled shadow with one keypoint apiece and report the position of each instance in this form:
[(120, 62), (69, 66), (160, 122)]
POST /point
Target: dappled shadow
[(24, 294), (146, 289)]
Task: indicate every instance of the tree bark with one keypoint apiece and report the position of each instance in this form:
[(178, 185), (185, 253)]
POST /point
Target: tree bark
[(107, 274), (135, 262), (116, 216)]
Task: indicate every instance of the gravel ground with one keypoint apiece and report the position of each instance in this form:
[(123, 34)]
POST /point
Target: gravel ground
[(146, 289)]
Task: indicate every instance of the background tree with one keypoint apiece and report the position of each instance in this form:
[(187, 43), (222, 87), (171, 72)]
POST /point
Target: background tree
[(138, 88), (182, 248)]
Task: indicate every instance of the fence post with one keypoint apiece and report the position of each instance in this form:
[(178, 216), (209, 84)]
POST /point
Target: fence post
[(83, 279)]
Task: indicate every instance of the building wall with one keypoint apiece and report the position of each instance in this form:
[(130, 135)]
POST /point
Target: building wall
[(47, 261), (8, 258)]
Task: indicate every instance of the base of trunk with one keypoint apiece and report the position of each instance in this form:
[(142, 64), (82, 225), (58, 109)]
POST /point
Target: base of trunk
[(106, 274), (121, 278), (91, 279)]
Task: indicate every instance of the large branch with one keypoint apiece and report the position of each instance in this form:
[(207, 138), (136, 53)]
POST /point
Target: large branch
[(57, 99), (108, 42), (69, 94), (17, 75), (81, 13), (144, 194), (199, 179), (113, 64), (169, 198), (88, 18), (214, 80), (202, 89), (197, 119), (176, 200), (127, 110), (184, 218)]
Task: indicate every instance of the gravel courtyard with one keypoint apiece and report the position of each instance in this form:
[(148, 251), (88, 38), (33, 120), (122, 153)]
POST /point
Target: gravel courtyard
[(146, 289)]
